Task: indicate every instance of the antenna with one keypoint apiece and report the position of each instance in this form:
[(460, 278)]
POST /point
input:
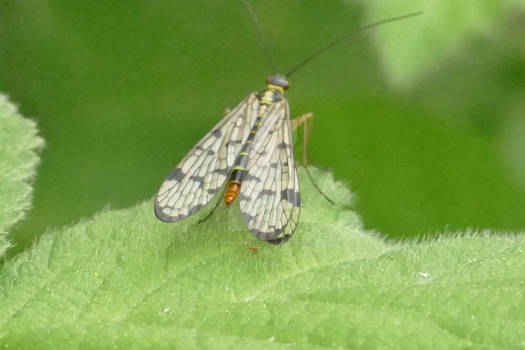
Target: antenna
[(333, 43), (259, 33)]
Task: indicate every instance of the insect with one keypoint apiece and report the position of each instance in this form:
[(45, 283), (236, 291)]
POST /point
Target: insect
[(249, 155)]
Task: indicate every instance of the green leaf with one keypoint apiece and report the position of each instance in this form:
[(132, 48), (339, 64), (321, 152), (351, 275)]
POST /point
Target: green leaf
[(19, 145), (124, 279), (415, 46)]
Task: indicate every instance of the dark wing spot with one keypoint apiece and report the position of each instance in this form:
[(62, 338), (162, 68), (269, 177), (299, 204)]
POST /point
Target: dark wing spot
[(292, 197), (199, 179), (221, 171), (243, 197), (176, 175), (266, 193), (297, 201), (279, 240), (269, 236), (283, 145), (249, 177)]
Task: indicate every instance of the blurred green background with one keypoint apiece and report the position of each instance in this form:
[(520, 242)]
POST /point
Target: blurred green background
[(424, 118)]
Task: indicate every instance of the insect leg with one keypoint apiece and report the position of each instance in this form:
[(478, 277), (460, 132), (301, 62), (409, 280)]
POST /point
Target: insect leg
[(306, 120)]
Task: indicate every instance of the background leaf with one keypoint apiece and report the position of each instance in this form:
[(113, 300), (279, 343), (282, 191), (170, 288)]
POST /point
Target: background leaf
[(19, 145), (443, 27), (423, 118), (125, 279)]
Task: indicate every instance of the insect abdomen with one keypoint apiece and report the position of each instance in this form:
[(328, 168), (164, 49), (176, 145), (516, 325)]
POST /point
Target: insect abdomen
[(232, 192), (234, 184), (268, 97)]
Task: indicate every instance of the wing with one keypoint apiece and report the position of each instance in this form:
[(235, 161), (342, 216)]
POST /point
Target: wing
[(202, 172), (269, 200)]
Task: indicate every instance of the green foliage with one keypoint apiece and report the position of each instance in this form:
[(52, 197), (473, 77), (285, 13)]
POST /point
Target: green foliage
[(124, 279), (445, 149), (119, 106), (19, 145), (444, 26)]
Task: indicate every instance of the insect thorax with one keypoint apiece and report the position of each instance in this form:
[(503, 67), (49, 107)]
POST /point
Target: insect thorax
[(270, 95)]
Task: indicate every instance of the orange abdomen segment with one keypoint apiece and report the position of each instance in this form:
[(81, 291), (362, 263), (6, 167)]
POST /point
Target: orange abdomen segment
[(232, 192)]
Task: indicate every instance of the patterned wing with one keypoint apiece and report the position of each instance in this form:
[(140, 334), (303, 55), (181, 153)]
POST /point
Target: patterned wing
[(269, 200), (202, 172)]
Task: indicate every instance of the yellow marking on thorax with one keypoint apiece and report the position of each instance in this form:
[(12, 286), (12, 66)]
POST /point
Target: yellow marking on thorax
[(276, 87), (267, 96)]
